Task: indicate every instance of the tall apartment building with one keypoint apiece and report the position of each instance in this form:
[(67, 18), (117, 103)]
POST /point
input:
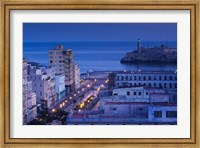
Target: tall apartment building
[(63, 61), (29, 97), (43, 83)]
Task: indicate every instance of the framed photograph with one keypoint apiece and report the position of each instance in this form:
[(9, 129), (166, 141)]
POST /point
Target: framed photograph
[(99, 73)]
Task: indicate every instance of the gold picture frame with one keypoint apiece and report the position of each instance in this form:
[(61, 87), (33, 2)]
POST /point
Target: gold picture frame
[(7, 5)]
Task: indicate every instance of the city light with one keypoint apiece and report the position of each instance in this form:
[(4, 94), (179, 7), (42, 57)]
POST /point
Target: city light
[(78, 92), (79, 110), (95, 80), (53, 110), (74, 94), (60, 105), (63, 103), (70, 97), (83, 89), (88, 85), (65, 100), (102, 85)]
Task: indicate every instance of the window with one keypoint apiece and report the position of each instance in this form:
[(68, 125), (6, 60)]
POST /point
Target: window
[(130, 77), (170, 77), (122, 78), (165, 77), (170, 85), (144, 78), (157, 114), (149, 84), (171, 114), (118, 78), (160, 78), (149, 77), (175, 85), (134, 93), (51, 61), (135, 84), (154, 78), (160, 85), (139, 93), (154, 84), (115, 94), (165, 85), (40, 93), (140, 109), (147, 93), (135, 78), (114, 109), (139, 78), (175, 77), (128, 93), (126, 77)]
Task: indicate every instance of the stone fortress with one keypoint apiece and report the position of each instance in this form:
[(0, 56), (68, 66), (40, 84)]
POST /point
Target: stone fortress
[(162, 54)]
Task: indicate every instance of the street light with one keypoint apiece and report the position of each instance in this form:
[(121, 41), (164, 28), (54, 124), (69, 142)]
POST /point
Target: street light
[(53, 110), (88, 85)]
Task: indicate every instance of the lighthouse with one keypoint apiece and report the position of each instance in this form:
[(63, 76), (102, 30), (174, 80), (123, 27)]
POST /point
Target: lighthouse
[(138, 45)]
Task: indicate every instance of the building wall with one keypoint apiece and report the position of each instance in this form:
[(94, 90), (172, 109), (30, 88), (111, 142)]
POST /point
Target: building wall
[(126, 110), (63, 61), (76, 76), (60, 86), (137, 94), (166, 79), (163, 109), (43, 83), (29, 97)]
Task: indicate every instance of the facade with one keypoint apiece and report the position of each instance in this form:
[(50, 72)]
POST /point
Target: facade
[(136, 94), (63, 61), (162, 112), (60, 86), (29, 97), (162, 79), (43, 83), (76, 76)]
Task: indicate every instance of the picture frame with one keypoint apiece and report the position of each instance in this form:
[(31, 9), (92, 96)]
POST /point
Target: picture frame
[(7, 6)]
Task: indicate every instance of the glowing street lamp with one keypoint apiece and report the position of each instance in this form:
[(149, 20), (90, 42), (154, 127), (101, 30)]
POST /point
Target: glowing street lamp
[(95, 80), (83, 89), (53, 110), (60, 105), (70, 97), (74, 94), (88, 85)]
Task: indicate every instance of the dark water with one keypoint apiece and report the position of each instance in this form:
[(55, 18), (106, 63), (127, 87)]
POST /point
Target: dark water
[(97, 56)]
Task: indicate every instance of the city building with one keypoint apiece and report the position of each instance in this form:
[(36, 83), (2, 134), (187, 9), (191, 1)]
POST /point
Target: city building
[(60, 86), (76, 76), (29, 97), (63, 61), (162, 79), (131, 105), (43, 84)]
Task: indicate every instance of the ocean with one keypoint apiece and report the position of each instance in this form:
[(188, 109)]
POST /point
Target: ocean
[(98, 56)]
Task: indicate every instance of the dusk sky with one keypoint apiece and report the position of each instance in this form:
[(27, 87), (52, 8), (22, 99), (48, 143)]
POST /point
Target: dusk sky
[(71, 32)]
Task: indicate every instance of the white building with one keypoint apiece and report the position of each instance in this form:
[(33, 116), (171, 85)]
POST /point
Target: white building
[(136, 94), (76, 76), (60, 86), (43, 84), (162, 112), (29, 97), (162, 79)]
